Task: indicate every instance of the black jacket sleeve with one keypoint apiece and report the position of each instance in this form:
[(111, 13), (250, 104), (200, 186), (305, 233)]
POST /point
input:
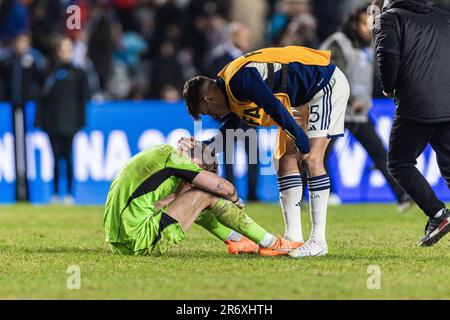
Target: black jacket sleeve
[(387, 40)]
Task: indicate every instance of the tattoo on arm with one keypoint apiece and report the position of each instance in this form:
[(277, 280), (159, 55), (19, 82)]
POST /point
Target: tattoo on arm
[(219, 185)]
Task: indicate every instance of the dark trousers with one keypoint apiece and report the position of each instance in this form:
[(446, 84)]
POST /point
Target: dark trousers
[(407, 141), (252, 169), (62, 149), (366, 134)]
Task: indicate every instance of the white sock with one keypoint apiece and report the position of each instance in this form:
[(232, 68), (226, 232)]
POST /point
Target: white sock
[(268, 240), (234, 236), (291, 191), (440, 213), (319, 191)]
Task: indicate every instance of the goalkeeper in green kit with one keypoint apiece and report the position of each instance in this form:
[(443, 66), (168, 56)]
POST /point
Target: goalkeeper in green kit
[(162, 191)]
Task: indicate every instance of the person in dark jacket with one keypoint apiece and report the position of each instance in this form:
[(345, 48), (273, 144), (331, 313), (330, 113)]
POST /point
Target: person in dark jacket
[(21, 76), (352, 51), (61, 110), (412, 46)]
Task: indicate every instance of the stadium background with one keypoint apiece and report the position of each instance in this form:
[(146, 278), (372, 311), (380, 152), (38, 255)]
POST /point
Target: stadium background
[(137, 55)]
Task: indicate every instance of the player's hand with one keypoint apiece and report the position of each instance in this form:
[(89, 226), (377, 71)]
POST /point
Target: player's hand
[(186, 144), (301, 157), (302, 143), (388, 94), (357, 105)]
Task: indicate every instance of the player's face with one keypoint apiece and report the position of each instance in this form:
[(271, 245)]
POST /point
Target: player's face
[(215, 105), (363, 28), (65, 52)]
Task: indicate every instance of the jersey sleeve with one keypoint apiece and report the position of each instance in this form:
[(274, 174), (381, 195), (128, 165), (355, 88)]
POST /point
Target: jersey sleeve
[(248, 84), (182, 167)]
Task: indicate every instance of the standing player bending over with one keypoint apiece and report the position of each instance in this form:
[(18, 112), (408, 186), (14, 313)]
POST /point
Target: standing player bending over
[(139, 219), (293, 88)]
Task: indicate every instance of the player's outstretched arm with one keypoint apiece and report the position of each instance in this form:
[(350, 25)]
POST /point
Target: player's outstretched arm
[(212, 183)]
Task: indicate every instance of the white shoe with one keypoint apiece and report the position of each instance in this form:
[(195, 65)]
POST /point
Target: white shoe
[(68, 200), (334, 200), (310, 248)]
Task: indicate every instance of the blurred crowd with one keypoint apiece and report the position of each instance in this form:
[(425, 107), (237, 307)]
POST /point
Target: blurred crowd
[(145, 49)]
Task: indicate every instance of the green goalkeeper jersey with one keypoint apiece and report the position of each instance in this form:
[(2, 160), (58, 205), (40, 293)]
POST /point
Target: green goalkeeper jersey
[(148, 177)]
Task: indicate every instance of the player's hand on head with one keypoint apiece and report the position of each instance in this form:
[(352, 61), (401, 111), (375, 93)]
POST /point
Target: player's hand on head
[(186, 144)]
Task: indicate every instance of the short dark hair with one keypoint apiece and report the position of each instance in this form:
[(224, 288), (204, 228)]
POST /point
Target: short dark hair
[(192, 93)]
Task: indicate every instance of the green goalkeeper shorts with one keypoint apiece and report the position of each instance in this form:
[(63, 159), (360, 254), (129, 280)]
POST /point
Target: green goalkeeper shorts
[(156, 237)]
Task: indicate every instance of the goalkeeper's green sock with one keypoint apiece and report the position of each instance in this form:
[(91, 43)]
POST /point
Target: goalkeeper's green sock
[(234, 218), (208, 220)]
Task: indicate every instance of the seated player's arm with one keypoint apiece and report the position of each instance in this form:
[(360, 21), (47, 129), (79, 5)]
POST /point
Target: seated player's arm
[(183, 168), (248, 84), (182, 188), (214, 184)]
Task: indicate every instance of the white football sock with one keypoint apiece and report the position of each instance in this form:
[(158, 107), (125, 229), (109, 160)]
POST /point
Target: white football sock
[(291, 191), (319, 190), (234, 236), (268, 240)]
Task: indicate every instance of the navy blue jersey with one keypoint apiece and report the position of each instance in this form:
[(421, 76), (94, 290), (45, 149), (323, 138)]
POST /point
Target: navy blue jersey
[(250, 84)]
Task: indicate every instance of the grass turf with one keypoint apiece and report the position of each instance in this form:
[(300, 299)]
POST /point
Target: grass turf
[(38, 243)]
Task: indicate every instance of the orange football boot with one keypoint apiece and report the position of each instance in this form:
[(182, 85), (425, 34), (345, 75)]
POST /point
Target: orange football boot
[(281, 247), (245, 245)]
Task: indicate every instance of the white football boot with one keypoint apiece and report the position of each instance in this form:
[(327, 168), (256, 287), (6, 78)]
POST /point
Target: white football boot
[(311, 248)]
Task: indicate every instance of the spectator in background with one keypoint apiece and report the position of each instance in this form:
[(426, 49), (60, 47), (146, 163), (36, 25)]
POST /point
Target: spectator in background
[(287, 11), (21, 72), (329, 15), (170, 94), (167, 16), (254, 13), (13, 19), (100, 47), (81, 60), (61, 111), (352, 51), (167, 70), (197, 26), (21, 76), (237, 44), (301, 31), (46, 21)]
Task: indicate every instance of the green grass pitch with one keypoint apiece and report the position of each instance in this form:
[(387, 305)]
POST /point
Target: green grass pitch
[(39, 243)]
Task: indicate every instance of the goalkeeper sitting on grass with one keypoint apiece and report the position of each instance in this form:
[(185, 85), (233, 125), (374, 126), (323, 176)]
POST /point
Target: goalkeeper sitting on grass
[(162, 191)]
